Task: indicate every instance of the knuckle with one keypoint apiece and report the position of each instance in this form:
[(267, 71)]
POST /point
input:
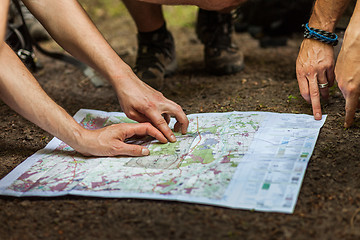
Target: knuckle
[(160, 121), (148, 106), (158, 96), (304, 93), (147, 125), (310, 74), (323, 67), (328, 66), (178, 108), (301, 69), (135, 150), (315, 93), (299, 72), (352, 89), (116, 150), (131, 114)]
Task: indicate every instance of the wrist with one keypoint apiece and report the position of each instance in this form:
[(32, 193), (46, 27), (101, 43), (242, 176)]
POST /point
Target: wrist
[(326, 24), (320, 35), (119, 75), (78, 138), (322, 20), (125, 82)]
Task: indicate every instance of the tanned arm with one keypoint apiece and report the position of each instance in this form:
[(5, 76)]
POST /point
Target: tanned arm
[(315, 62)]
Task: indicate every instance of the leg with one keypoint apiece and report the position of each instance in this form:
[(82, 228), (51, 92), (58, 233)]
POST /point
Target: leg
[(148, 17), (156, 50), (214, 29), (36, 30)]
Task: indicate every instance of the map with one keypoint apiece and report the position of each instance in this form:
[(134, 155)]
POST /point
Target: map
[(246, 160)]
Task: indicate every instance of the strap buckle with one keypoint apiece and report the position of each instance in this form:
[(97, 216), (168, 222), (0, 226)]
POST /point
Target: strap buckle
[(25, 54)]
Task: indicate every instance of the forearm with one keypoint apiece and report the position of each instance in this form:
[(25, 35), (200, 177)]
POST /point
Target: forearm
[(4, 6), (352, 34), (68, 23), (349, 58), (22, 93), (326, 14), (70, 26)]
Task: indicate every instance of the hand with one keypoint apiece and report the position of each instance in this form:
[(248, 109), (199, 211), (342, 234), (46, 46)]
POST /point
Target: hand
[(347, 73), (315, 65), (109, 141), (142, 103), (139, 101)]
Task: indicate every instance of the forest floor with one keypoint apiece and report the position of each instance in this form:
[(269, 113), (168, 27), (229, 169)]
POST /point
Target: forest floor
[(329, 201)]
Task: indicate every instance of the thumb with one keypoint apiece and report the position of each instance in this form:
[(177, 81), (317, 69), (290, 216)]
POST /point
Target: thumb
[(133, 150)]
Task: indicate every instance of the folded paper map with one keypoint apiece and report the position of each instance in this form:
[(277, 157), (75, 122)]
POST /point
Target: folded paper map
[(245, 160)]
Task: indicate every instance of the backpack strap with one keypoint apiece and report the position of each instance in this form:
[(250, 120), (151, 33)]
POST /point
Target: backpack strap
[(25, 49), (27, 54)]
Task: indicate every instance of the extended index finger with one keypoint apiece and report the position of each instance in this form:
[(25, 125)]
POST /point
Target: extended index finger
[(160, 123), (315, 97)]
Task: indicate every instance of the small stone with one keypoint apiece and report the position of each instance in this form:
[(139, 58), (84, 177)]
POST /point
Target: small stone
[(28, 137), (25, 203)]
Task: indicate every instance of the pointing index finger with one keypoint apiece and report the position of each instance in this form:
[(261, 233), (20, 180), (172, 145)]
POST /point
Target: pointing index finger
[(160, 123), (315, 97)]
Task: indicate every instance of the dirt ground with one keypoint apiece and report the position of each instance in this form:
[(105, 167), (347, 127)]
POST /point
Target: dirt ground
[(329, 202)]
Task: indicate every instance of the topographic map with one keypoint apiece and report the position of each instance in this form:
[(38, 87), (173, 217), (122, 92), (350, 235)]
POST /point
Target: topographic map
[(250, 160)]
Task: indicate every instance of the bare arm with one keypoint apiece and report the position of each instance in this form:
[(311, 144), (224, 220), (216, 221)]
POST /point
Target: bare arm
[(326, 14), (21, 92), (347, 68), (315, 62), (69, 25), (4, 7)]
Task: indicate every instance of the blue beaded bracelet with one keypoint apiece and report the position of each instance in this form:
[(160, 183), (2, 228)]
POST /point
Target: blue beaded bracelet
[(320, 35)]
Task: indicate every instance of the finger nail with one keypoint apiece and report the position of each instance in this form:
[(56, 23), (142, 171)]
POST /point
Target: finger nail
[(172, 138), (318, 116), (145, 152)]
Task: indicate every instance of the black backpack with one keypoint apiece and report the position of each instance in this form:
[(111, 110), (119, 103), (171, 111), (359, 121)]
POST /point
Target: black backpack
[(273, 19), (18, 38)]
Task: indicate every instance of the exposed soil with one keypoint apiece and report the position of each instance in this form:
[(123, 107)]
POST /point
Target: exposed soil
[(329, 202)]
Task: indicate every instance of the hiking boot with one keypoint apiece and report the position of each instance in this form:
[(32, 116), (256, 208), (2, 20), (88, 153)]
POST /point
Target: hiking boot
[(214, 30), (156, 58)]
